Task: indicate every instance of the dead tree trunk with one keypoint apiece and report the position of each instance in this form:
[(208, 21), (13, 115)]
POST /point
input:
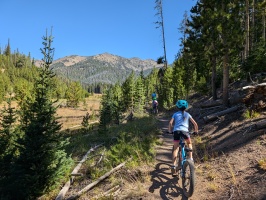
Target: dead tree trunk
[(261, 125), (64, 190), (88, 187), (211, 104), (218, 114)]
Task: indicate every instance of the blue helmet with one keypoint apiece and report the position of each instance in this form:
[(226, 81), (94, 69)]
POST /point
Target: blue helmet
[(182, 104)]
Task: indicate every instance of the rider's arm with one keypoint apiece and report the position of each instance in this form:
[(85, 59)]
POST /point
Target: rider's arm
[(196, 128), (170, 127)]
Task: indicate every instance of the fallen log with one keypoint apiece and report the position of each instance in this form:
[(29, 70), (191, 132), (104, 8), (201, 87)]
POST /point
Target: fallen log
[(66, 187), (261, 125), (211, 104), (91, 185), (248, 87), (77, 174), (218, 114), (253, 87)]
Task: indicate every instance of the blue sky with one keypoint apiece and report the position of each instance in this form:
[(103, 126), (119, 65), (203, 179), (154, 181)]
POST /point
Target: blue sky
[(89, 27)]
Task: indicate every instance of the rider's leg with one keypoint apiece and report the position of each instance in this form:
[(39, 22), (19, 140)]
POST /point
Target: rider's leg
[(189, 143), (175, 152)]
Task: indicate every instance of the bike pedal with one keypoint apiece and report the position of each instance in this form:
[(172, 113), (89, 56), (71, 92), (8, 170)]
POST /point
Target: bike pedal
[(174, 175), (173, 170)]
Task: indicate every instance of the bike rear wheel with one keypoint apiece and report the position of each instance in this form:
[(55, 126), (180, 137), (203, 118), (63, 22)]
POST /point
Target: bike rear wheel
[(188, 178)]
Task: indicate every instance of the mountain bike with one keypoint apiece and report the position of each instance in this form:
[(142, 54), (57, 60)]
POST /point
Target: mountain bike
[(186, 168), (155, 110)]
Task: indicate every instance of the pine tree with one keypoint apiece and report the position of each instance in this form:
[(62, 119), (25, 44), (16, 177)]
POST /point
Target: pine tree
[(139, 95), (151, 83), (117, 101), (43, 160), (128, 88), (166, 90), (177, 83), (8, 150), (7, 50), (74, 94), (105, 113), (85, 121)]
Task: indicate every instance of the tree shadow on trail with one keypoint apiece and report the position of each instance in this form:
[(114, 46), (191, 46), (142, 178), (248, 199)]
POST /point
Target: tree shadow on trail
[(167, 185)]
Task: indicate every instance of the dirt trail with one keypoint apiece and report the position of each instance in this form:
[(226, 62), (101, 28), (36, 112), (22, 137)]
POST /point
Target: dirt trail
[(164, 186), (234, 174)]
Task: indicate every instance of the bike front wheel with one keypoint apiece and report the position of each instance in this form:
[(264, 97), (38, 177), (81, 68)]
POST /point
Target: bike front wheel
[(188, 178)]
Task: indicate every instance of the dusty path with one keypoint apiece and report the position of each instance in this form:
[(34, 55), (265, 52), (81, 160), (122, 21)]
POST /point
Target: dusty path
[(233, 175), (164, 186)]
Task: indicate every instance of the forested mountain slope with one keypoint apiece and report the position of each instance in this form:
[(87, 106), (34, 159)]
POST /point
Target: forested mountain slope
[(103, 68)]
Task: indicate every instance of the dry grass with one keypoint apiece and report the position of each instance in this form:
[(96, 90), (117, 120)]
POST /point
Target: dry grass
[(211, 176), (212, 187), (134, 182), (262, 164), (72, 117), (232, 173)]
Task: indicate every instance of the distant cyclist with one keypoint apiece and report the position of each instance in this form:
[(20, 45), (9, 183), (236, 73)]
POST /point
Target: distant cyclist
[(154, 105), (153, 95), (179, 125)]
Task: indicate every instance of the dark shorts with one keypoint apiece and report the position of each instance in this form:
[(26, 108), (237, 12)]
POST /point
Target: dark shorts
[(178, 134)]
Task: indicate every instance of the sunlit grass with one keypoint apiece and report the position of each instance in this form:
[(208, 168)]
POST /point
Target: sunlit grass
[(250, 114), (211, 176), (133, 142), (262, 164), (201, 148), (212, 187)]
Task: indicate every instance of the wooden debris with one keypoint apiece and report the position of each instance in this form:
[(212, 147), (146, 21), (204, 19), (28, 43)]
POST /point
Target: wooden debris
[(77, 174), (254, 96), (211, 103), (66, 187), (218, 114), (91, 185), (248, 87), (260, 125), (113, 191)]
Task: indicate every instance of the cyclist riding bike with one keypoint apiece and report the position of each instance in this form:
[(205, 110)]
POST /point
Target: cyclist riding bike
[(153, 95), (179, 125), (154, 105)]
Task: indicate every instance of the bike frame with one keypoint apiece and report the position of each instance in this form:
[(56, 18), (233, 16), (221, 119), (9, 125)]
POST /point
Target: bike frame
[(188, 182), (183, 153)]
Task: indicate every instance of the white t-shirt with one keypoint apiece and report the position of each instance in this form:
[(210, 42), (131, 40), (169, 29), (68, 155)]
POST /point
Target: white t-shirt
[(181, 124)]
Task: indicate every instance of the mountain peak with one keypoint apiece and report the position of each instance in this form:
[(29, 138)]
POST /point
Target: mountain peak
[(70, 60), (101, 68)]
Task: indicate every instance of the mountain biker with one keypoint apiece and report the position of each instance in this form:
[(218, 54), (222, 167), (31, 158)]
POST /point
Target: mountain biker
[(154, 104), (153, 95), (179, 125)]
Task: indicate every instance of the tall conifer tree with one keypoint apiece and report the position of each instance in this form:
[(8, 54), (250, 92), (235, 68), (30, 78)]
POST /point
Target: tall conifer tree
[(43, 160), (8, 150)]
